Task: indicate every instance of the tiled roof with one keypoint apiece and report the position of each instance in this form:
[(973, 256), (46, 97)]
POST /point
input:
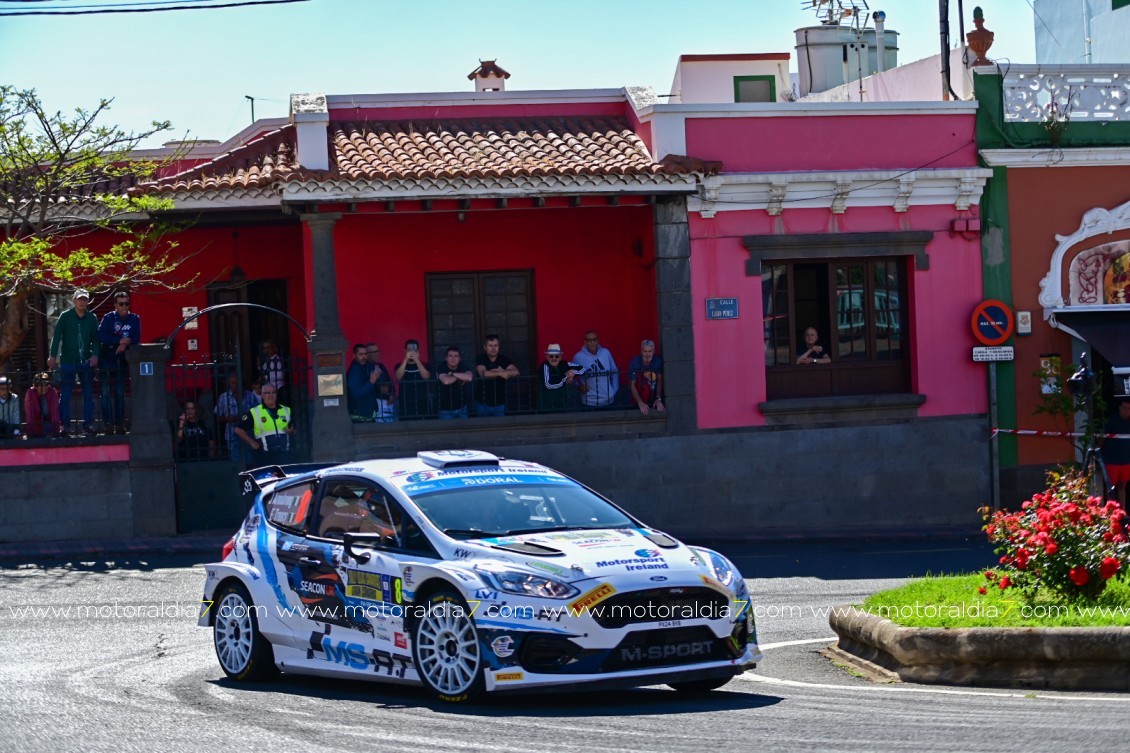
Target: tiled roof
[(439, 149), (488, 68), (258, 163), (490, 149)]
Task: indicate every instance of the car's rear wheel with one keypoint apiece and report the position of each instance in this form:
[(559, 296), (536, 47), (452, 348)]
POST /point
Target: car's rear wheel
[(244, 654), (700, 686), (445, 648)]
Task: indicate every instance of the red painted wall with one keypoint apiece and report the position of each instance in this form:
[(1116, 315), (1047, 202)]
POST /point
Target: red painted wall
[(1043, 203), (586, 273), (834, 142)]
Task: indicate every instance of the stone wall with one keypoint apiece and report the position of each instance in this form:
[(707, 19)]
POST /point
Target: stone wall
[(56, 502)]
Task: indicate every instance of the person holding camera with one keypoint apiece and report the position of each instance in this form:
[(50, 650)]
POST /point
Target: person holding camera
[(411, 373), (811, 351)]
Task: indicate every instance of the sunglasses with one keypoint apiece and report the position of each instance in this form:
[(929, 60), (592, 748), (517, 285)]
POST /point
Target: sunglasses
[(121, 303), (591, 339), (553, 358)]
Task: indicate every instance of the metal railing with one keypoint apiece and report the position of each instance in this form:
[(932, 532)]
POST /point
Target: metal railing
[(520, 395), (105, 418)]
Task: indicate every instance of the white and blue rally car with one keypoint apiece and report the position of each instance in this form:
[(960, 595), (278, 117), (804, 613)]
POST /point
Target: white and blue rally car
[(467, 573)]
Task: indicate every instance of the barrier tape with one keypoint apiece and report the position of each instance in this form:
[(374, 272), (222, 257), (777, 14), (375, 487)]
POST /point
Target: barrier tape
[(1042, 433)]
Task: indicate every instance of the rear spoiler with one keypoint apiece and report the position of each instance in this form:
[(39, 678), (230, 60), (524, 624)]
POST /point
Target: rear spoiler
[(257, 479)]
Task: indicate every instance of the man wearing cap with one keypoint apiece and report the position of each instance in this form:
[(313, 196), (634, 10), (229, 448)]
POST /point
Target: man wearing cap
[(1116, 452), (556, 378), (9, 410), (74, 348)]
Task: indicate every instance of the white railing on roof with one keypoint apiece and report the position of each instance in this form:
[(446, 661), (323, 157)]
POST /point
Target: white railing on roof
[(1079, 93)]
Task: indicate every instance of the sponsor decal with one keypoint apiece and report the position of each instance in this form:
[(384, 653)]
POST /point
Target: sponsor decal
[(639, 563), (710, 582), (637, 654), (408, 575), (317, 588), (548, 568), (366, 586), (647, 554), (486, 594), (464, 554), (592, 598), (354, 655), (453, 480), (400, 640), (508, 676), (502, 646), (658, 578), (549, 615)]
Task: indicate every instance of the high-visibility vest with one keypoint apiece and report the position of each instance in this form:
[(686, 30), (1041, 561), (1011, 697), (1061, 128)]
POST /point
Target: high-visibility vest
[(265, 427)]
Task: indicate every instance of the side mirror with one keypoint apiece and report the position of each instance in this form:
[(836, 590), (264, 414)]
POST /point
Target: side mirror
[(365, 539)]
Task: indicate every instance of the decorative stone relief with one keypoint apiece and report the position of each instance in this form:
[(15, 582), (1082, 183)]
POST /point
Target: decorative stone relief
[(1097, 221), (310, 102), (905, 189)]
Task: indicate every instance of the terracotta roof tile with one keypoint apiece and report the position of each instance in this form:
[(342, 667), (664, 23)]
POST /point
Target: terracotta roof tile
[(440, 149)]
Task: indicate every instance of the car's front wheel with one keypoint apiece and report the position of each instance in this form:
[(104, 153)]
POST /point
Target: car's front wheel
[(244, 654), (445, 647)]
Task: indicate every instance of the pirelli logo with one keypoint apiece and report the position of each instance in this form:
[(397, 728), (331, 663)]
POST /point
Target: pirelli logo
[(508, 676), (592, 598)]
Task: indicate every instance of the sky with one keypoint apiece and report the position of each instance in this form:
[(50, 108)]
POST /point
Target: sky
[(196, 67)]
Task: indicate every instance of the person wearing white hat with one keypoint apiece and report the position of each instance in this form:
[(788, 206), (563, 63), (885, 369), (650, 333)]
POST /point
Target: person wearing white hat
[(74, 347), (557, 375)]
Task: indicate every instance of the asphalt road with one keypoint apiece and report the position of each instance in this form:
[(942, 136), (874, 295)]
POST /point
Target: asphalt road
[(135, 673)]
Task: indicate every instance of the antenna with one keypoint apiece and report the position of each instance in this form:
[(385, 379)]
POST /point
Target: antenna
[(248, 96), (835, 12)]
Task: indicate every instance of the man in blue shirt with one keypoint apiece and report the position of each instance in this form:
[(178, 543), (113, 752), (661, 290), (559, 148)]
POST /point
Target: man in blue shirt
[(119, 329)]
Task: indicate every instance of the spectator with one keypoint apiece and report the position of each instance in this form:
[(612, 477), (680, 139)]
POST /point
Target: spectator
[(256, 393), (361, 386), (556, 378), (1116, 452), (453, 377), (41, 406), (194, 438), (9, 410), (119, 329), (74, 348), (645, 378), (599, 371), (811, 351), (493, 369), (267, 429), (384, 398), (411, 373), (229, 408), (272, 369)]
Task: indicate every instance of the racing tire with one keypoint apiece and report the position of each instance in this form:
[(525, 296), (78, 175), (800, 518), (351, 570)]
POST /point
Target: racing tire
[(244, 654), (693, 687), (446, 650)]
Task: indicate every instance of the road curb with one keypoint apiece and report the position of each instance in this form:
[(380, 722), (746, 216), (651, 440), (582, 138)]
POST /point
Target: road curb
[(1068, 658), (54, 551)]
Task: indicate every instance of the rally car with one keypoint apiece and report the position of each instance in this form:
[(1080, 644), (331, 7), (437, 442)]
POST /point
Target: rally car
[(468, 574)]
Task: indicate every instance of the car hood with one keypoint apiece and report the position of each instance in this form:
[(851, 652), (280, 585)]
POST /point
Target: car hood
[(579, 555)]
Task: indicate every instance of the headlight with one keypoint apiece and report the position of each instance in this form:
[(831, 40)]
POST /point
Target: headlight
[(724, 572), (526, 584)]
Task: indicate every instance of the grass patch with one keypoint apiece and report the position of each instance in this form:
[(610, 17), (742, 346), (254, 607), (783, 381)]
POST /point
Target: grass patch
[(952, 601)]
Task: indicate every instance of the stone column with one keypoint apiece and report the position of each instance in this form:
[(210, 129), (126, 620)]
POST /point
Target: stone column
[(151, 462), (331, 431), (673, 292)]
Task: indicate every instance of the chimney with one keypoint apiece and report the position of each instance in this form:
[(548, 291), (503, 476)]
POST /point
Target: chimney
[(311, 118), (880, 43), (489, 77)]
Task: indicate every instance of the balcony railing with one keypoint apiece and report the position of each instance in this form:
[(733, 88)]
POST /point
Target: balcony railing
[(1079, 93)]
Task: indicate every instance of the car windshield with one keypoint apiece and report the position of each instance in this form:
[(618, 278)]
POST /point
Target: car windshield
[(504, 510)]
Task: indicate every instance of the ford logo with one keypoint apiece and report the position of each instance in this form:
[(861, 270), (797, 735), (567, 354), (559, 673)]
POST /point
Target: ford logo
[(658, 578)]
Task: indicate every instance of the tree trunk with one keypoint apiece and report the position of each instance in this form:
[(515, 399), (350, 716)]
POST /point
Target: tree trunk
[(14, 325)]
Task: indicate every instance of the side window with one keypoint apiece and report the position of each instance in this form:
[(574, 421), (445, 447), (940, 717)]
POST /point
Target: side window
[(290, 507), (407, 535), (360, 506)]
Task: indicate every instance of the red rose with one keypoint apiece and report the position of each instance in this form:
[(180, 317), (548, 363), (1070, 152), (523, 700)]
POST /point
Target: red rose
[(1005, 582), (990, 575), (1079, 576), (982, 590), (1052, 547), (1109, 566)]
